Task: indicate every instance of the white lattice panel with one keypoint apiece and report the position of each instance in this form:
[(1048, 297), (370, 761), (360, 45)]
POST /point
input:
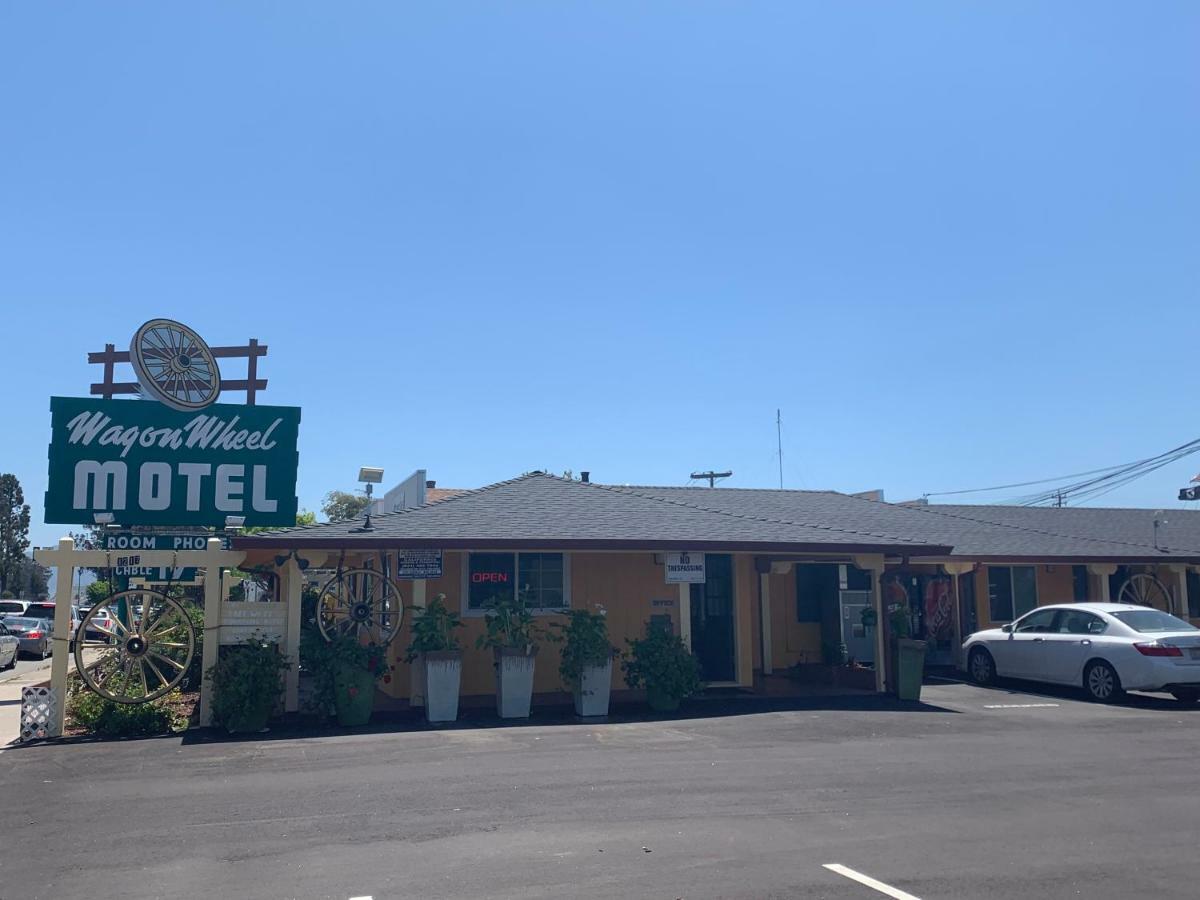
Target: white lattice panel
[(38, 707)]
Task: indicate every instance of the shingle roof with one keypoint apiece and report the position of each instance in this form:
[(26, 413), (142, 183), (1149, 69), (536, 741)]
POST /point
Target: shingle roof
[(543, 510)]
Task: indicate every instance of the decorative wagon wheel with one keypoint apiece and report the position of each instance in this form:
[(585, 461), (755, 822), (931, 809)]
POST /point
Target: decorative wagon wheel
[(147, 648), (360, 602), (174, 365), (1145, 590)]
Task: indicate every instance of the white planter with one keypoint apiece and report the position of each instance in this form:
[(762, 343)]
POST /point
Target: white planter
[(443, 676), (514, 683), (591, 697)]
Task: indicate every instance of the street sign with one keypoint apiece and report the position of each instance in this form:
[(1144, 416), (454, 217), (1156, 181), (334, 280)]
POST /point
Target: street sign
[(1189, 493), (242, 620), (419, 564), (147, 464), (685, 568)]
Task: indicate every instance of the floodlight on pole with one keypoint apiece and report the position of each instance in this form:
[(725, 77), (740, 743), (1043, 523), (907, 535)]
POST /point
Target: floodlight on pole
[(369, 475), (103, 518)]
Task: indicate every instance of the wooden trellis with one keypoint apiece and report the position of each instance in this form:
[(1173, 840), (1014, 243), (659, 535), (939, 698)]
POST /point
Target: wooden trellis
[(251, 384)]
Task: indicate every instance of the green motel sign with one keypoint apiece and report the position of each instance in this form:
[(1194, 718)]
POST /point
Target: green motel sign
[(148, 464)]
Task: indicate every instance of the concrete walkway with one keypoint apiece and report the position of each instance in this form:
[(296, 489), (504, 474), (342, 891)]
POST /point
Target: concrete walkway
[(10, 694)]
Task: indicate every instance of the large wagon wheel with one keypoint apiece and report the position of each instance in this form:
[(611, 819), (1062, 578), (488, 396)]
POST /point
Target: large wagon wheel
[(1145, 590), (146, 651), (174, 365), (364, 603)]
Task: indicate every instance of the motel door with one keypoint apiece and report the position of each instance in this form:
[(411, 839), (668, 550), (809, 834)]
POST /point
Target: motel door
[(712, 620)]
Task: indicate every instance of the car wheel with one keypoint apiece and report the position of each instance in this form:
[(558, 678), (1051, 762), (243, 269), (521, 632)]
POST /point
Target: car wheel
[(981, 667), (1102, 683), (1187, 695)]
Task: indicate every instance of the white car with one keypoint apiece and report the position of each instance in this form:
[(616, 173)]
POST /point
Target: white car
[(1106, 648)]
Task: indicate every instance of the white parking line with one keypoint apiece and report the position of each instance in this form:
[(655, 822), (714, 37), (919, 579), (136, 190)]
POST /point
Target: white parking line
[(365, 897), (870, 882), (1019, 705)]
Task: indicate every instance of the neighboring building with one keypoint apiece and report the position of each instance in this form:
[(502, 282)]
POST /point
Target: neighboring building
[(789, 573)]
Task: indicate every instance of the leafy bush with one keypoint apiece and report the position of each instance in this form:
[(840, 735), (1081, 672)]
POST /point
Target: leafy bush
[(433, 628), (321, 659), (246, 682), (7, 595), (99, 591), (662, 664), (586, 644), (510, 625), (104, 718)]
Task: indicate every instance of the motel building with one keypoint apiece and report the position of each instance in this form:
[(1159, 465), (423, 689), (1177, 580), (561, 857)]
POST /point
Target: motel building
[(786, 574)]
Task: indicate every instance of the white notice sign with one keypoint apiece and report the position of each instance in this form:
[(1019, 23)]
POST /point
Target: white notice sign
[(685, 568), (241, 620)]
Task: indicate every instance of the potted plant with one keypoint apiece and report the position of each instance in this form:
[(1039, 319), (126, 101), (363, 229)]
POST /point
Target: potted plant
[(513, 634), (661, 664), (355, 667), (587, 657), (247, 685), (435, 646), (909, 654)]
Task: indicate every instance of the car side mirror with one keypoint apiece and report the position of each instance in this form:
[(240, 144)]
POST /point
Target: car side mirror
[(1007, 629)]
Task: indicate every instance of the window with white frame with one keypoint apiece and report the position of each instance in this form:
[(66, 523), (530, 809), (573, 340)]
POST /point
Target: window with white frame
[(1012, 591), (540, 578)]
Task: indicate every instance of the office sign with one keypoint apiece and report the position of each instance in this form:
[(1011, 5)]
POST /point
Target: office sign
[(131, 567), (242, 620), (147, 464), (419, 564), (685, 568)]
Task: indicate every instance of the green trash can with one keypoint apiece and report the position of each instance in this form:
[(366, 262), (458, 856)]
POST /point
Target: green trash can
[(910, 668)]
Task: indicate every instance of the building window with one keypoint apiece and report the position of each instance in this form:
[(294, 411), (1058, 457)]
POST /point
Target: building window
[(1193, 589), (1079, 583), (1012, 591), (540, 578)]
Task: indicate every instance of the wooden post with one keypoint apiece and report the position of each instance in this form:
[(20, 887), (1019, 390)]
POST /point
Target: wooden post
[(212, 625), (64, 578), (764, 614), (291, 593), (685, 614)]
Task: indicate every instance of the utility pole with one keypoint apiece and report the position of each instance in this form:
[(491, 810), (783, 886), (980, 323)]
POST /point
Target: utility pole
[(779, 442), (711, 476)]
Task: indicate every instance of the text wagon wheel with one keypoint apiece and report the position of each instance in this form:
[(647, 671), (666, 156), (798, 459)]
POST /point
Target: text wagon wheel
[(174, 365), (364, 603), (1145, 590), (147, 644)]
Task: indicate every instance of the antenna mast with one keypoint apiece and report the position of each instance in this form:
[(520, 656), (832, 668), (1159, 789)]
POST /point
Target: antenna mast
[(779, 441), (710, 476)]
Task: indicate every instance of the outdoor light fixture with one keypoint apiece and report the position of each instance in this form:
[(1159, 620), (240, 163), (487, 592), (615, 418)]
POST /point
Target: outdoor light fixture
[(103, 518), (234, 522), (368, 475)]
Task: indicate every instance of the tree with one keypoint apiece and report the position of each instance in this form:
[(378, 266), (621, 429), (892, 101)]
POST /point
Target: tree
[(34, 580), (14, 531), (340, 506)]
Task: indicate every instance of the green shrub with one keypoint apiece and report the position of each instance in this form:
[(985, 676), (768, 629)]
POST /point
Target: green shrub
[(104, 718), (245, 680), (433, 628), (510, 625), (321, 659), (662, 664), (586, 644)]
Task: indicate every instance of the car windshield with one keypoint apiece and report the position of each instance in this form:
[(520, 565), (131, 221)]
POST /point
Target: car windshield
[(1150, 621), (7, 606), (21, 622)]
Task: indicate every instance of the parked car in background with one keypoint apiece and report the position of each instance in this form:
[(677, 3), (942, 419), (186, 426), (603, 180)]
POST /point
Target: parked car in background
[(1107, 648), (13, 607), (10, 648), (46, 611), (33, 634), (100, 627)]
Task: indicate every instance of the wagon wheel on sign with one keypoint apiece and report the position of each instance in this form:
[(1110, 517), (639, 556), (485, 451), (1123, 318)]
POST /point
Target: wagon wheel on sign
[(174, 365), (1145, 590), (147, 645), (364, 603)]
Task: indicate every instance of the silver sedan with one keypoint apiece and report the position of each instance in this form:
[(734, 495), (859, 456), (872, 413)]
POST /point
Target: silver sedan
[(34, 634)]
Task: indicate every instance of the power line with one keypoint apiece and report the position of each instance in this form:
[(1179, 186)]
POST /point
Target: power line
[(1003, 487)]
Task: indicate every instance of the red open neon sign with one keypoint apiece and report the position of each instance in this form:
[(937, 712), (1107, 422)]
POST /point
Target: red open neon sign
[(489, 577)]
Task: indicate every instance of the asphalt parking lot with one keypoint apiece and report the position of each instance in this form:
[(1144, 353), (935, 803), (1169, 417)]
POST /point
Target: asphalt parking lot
[(997, 793)]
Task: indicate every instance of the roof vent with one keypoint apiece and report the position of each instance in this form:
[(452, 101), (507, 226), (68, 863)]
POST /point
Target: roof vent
[(430, 485), (585, 477)]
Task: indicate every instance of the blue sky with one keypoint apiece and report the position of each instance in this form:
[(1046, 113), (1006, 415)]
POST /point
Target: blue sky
[(955, 243)]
